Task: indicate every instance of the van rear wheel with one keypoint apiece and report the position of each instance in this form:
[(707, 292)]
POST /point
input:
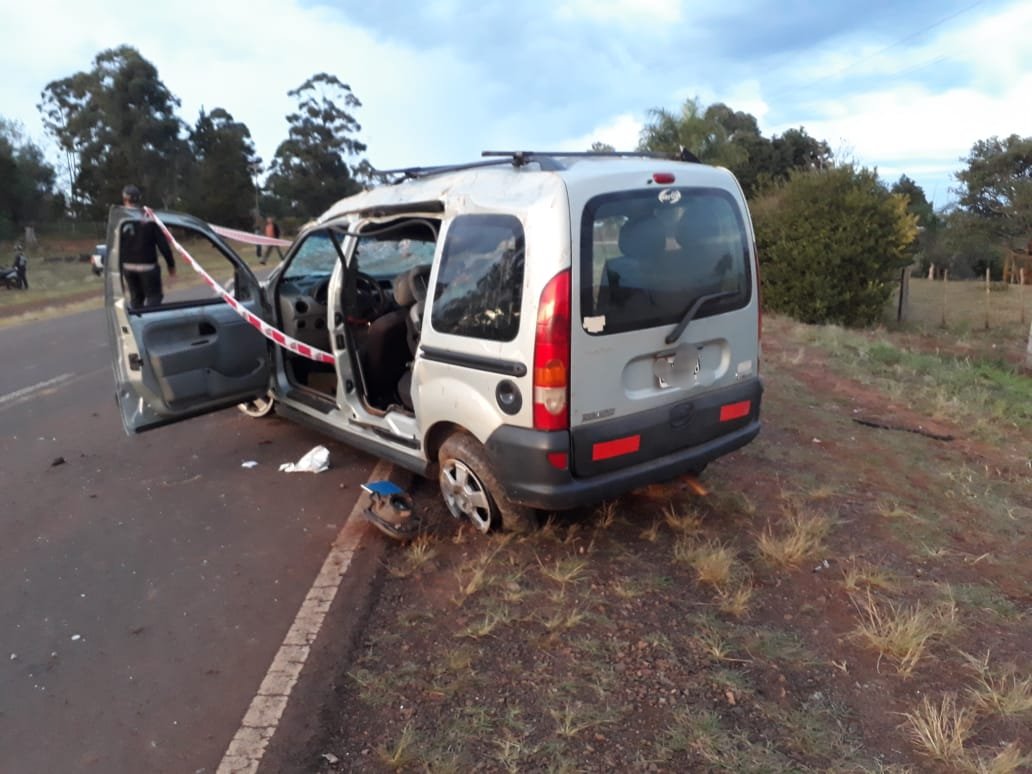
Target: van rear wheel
[(472, 492)]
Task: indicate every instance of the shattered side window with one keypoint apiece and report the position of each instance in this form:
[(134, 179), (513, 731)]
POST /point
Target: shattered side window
[(479, 286)]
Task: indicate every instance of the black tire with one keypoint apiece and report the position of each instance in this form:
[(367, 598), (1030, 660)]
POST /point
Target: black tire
[(472, 492)]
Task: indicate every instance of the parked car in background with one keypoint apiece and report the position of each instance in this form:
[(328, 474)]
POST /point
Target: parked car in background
[(536, 331)]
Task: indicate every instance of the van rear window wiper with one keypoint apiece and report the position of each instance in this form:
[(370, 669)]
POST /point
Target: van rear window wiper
[(693, 310)]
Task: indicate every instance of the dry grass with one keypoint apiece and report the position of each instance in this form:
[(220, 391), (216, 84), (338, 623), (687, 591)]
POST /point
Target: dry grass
[(417, 554), (861, 575), (686, 522), (893, 511), (564, 571), (607, 513), (939, 731), (570, 721), (903, 633), (1008, 761), (1005, 695), (712, 561), (402, 753), (562, 620), (651, 533), (735, 602), (485, 625), (802, 537)]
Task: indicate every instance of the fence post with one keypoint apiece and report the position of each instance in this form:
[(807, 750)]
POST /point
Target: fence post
[(987, 285), (1021, 294), (1028, 350), (945, 284), (931, 271), (904, 295)]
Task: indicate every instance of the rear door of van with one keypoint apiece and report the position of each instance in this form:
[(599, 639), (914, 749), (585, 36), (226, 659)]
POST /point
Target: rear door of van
[(664, 340)]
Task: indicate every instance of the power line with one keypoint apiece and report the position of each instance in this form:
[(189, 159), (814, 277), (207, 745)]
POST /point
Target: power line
[(853, 65)]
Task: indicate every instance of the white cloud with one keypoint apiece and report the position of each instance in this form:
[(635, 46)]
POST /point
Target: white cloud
[(625, 12), (622, 132), (440, 94)]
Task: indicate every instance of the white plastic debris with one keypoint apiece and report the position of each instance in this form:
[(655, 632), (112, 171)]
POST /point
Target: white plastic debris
[(249, 464), (315, 461), (331, 758), (76, 637)]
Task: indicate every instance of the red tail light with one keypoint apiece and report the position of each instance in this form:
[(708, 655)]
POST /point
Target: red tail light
[(552, 356)]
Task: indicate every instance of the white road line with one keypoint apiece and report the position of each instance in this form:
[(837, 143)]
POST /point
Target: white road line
[(26, 391), (244, 754)]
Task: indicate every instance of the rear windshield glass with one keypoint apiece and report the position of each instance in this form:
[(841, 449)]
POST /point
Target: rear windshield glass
[(648, 256)]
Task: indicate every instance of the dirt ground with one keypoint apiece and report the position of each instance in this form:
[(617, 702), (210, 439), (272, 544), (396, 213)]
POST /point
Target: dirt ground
[(854, 594), (848, 597)]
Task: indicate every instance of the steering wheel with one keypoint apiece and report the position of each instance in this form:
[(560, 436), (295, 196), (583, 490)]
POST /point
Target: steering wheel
[(370, 299)]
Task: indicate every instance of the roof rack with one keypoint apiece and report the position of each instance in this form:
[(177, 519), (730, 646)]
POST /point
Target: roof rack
[(548, 158), (549, 161), (411, 173)]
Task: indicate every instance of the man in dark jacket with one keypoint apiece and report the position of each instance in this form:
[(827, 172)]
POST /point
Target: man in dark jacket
[(139, 243), (21, 265)]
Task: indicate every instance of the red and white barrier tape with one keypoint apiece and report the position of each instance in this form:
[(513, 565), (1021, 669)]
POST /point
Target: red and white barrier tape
[(248, 238), (273, 334)]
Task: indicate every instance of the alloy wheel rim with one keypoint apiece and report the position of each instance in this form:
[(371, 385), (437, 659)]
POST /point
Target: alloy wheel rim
[(464, 494)]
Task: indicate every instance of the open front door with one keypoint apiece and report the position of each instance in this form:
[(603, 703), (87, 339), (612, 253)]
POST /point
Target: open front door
[(191, 354)]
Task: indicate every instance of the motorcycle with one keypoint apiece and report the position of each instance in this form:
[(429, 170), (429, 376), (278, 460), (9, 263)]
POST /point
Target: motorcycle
[(9, 277)]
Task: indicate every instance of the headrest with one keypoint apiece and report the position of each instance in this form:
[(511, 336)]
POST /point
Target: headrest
[(410, 286), (642, 238), (698, 223)]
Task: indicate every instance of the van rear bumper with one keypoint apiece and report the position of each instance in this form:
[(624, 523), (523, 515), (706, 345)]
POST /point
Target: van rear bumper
[(521, 461)]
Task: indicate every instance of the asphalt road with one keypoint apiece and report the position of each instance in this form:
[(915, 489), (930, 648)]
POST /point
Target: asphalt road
[(145, 582)]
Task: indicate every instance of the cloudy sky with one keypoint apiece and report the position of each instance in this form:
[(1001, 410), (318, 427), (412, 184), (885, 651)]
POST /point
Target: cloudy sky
[(906, 87)]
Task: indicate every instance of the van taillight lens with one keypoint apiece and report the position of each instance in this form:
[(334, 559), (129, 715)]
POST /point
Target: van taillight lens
[(552, 356)]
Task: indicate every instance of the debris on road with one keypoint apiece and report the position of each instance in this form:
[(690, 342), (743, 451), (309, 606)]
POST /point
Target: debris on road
[(315, 461), (249, 464), (390, 510), (57, 461)]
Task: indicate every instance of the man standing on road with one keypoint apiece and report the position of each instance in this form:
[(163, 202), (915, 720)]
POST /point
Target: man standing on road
[(21, 265), (139, 243), (272, 230)]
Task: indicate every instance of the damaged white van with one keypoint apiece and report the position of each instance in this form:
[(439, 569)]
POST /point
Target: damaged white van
[(537, 331)]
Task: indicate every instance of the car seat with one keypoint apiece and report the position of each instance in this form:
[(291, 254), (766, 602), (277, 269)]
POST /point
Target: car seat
[(392, 340)]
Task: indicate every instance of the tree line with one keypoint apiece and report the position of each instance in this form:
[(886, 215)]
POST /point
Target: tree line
[(832, 235), (816, 216), (118, 122)]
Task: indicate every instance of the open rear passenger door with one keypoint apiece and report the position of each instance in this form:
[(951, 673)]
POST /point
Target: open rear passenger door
[(193, 354)]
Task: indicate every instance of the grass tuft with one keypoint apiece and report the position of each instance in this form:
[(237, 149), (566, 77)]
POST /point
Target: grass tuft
[(735, 602), (903, 633), (860, 575), (401, 754), (1004, 695), (687, 522), (712, 561), (939, 731), (802, 537)]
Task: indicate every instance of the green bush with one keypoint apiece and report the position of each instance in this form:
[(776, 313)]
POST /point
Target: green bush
[(832, 243)]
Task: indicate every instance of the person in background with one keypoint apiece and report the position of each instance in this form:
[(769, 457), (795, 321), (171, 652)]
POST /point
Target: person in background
[(272, 230), (21, 265), (258, 232), (140, 240)]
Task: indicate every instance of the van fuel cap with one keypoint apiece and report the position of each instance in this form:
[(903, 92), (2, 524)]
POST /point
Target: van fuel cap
[(509, 398)]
